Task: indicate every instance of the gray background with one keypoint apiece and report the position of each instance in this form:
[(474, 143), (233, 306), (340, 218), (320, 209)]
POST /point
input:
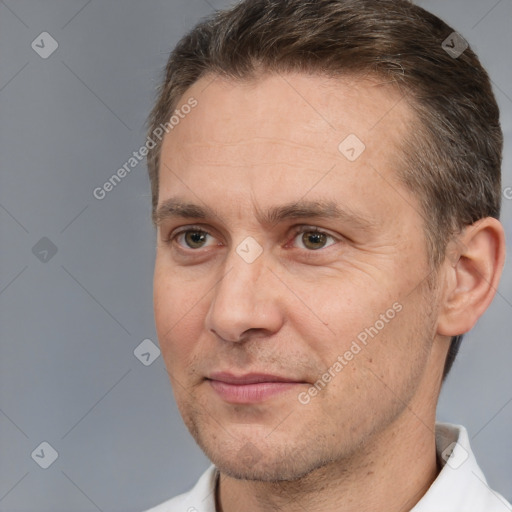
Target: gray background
[(69, 325)]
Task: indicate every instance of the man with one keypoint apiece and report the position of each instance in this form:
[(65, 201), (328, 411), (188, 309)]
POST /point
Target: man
[(326, 190)]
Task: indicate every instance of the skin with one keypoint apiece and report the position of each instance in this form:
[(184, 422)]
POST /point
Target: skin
[(365, 441)]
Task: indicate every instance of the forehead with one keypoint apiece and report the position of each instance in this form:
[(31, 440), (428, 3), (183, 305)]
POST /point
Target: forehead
[(307, 113), (297, 102), (283, 135)]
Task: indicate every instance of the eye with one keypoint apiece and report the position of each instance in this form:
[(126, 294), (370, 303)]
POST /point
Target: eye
[(313, 238), (309, 238), (192, 238)]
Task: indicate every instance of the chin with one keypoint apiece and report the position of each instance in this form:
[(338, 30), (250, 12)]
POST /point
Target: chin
[(257, 452), (260, 461), (273, 471)]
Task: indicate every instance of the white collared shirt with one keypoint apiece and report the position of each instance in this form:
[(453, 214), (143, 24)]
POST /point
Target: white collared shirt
[(459, 487)]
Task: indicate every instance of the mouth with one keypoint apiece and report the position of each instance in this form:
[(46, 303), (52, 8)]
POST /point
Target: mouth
[(251, 387)]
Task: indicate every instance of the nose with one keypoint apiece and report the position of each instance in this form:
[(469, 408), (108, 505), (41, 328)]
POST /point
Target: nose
[(245, 300)]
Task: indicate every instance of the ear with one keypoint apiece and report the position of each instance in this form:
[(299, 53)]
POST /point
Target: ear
[(472, 272)]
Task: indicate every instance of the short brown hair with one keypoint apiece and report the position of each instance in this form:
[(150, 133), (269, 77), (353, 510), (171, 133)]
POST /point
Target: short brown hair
[(451, 160)]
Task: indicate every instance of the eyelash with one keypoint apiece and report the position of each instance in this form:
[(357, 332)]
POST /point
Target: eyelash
[(302, 229)]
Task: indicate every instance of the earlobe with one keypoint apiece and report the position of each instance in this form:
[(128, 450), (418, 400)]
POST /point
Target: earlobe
[(472, 273)]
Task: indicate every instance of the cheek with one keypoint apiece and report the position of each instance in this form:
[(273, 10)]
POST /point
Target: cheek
[(374, 367), (346, 310), (173, 295), (177, 311), (374, 329)]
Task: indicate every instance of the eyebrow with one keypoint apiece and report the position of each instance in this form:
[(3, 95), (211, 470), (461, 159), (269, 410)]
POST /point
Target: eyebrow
[(177, 208)]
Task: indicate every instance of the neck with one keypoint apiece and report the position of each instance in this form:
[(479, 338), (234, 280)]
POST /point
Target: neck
[(390, 473)]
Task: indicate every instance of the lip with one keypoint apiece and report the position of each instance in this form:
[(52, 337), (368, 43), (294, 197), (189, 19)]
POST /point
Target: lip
[(248, 378), (251, 387)]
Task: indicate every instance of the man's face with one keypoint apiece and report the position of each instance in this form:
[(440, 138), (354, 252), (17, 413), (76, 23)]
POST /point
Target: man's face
[(239, 292)]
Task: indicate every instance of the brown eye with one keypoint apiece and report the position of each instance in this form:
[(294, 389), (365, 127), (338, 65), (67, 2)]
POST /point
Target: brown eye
[(314, 240), (192, 238), (195, 239)]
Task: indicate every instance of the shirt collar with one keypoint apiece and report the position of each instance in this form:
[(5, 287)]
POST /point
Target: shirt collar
[(460, 486)]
